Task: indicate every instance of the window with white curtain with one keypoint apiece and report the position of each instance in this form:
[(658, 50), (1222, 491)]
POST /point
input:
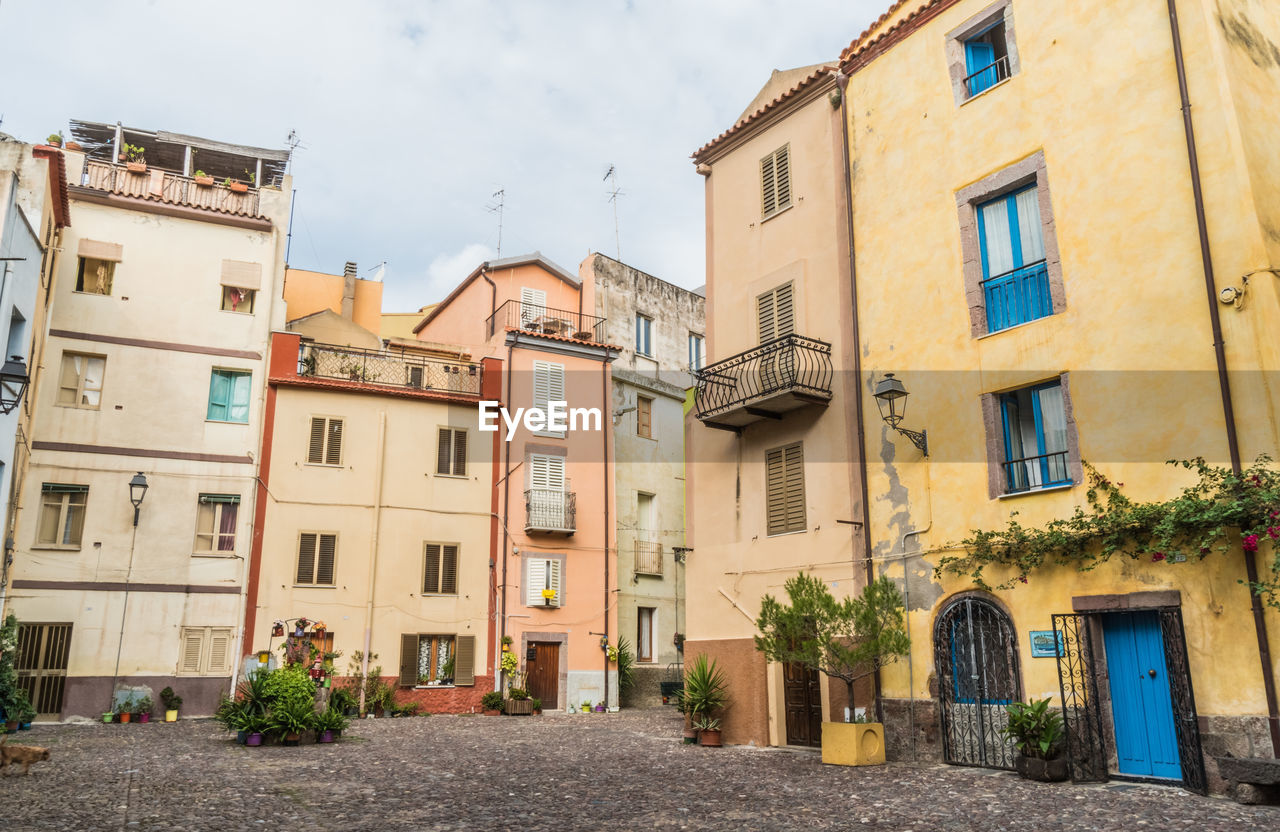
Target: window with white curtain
[(80, 380), (1035, 438), (1015, 277)]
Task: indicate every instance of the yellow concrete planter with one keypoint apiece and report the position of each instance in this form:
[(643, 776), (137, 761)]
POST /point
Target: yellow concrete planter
[(853, 743)]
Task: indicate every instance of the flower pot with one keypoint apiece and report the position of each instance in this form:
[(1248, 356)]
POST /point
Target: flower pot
[(853, 743), (171, 716), (1044, 771), (290, 739), (204, 181), (240, 187), (74, 146), (242, 737), (537, 712), (26, 726), (144, 718), (11, 725), (253, 739), (493, 712), (690, 736), (108, 717), (600, 709), (586, 709), (519, 707), (709, 739), (136, 167), (124, 718), (324, 736)]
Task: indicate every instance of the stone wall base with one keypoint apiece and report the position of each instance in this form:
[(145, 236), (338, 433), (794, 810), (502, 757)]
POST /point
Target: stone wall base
[(1231, 736), (454, 700), (647, 691), (912, 730), (89, 696)]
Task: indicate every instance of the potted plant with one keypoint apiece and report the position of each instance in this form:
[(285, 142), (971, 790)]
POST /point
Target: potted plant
[(328, 724), (846, 640), (202, 179), (586, 706), (708, 731), (144, 709), (506, 644), (705, 693), (601, 707), (447, 670), (55, 139), (290, 718), (690, 734), (125, 709), (537, 706), (236, 185), (172, 702), (518, 702), (255, 727), (230, 714), (135, 158), (1038, 733), (491, 703)]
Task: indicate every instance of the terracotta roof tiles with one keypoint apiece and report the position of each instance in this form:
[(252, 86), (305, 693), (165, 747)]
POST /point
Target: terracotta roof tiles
[(806, 82)]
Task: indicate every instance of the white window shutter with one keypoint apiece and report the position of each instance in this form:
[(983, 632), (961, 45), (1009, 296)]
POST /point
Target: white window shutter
[(535, 581), (541, 384), (533, 304), (553, 567)]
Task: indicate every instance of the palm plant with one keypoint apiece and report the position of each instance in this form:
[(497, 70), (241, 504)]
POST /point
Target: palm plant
[(705, 688)]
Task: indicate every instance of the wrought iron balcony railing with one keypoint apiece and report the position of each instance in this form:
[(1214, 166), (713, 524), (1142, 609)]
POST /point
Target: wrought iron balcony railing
[(392, 369), (543, 320), (648, 557), (170, 187), (1017, 296), (550, 510), (1032, 472), (778, 376)]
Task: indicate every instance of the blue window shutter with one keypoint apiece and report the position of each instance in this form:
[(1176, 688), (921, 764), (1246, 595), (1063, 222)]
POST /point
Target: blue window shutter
[(979, 55), (219, 396)]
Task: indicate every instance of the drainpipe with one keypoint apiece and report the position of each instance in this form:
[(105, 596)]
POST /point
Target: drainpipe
[(1224, 385), (608, 552), (493, 298), (506, 517), (373, 548), (842, 82)]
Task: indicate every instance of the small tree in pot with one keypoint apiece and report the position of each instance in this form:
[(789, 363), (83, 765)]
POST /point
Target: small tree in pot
[(1040, 736), (846, 640)]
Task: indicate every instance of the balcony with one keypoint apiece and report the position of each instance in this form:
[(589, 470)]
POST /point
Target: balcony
[(388, 368), (648, 558), (1017, 296), (168, 187), (1035, 472), (764, 382), (542, 320), (550, 511)]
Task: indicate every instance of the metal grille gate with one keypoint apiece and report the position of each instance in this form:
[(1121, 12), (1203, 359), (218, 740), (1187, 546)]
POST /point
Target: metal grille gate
[(976, 656), (43, 650), (1185, 723), (1077, 684)]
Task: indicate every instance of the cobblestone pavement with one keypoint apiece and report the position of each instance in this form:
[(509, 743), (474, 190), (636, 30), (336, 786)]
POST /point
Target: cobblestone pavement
[(554, 772)]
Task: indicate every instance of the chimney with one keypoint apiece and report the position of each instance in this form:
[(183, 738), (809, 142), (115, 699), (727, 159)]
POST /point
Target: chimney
[(349, 290)]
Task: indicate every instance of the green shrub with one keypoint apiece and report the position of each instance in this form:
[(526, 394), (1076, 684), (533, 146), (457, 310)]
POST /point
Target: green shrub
[(491, 701), (705, 688), (1037, 731)]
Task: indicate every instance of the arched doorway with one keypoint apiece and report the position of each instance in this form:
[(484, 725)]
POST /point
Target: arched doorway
[(976, 654)]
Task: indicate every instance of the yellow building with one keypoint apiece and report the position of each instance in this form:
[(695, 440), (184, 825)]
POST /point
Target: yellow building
[(1019, 243)]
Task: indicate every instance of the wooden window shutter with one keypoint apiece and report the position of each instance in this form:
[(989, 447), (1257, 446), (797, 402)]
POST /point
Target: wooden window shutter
[(333, 449), (768, 187), (794, 458), (464, 660), (784, 477), (775, 491), (192, 648), (644, 416), (460, 453), (431, 569), (306, 558), (315, 451), (219, 651), (784, 305), (408, 660), (449, 570), (765, 317), (535, 580), (782, 172), (444, 451), (324, 562)]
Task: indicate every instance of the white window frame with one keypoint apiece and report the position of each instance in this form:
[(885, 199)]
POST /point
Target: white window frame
[(644, 335)]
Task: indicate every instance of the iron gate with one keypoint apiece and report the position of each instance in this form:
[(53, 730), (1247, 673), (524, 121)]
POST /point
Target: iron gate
[(1185, 722), (41, 662), (1077, 684), (976, 655)]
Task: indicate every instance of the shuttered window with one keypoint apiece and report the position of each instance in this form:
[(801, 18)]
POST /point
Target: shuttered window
[(644, 417), (205, 651), (776, 313), (316, 553), (427, 658), (784, 476), (546, 471), (775, 181), (542, 574), (440, 569), (325, 444), (533, 305), (548, 386), (451, 453)]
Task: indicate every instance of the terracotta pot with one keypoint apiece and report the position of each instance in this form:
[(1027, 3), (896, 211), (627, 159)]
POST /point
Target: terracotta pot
[(74, 146), (11, 725), (1044, 771), (124, 718), (709, 739), (240, 187), (204, 181), (253, 739), (290, 739), (690, 736), (492, 713), (537, 712), (136, 167)]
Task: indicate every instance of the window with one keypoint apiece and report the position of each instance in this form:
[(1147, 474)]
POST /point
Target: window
[(440, 569), (644, 633), (1034, 423), (433, 658), (229, 396), (1015, 276), (80, 382), (216, 524), (533, 305), (316, 553), (325, 444), (986, 58), (548, 386), (775, 182), (784, 475), (697, 345), (547, 471), (542, 582), (61, 515), (235, 299), (644, 335), (644, 417), (94, 276), (206, 651), (776, 313), (413, 375), (451, 453)]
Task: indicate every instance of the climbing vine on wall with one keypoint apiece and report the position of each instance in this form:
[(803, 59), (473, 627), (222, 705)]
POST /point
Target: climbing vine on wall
[(1220, 512)]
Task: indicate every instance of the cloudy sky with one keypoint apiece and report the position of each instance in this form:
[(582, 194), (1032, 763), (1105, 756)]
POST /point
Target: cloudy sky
[(413, 114)]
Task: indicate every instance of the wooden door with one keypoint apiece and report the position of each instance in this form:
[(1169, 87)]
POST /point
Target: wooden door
[(803, 701), (543, 665), (43, 650)]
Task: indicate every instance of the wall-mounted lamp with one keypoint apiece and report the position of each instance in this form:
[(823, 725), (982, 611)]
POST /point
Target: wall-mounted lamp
[(137, 491), (13, 383), (891, 397)]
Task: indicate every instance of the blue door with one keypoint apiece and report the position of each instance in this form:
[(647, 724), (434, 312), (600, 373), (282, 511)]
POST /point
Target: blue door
[(1141, 707)]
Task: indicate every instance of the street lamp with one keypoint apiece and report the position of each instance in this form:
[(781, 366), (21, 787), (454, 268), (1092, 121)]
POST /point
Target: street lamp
[(891, 398), (13, 383), (137, 490)]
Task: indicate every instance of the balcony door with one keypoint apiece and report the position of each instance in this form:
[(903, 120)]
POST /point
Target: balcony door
[(548, 506), (775, 318)]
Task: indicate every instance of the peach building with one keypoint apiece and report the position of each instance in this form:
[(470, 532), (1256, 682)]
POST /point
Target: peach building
[(554, 502)]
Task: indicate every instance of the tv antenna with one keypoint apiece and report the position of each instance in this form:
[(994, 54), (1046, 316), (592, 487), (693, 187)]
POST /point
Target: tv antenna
[(293, 141), (501, 196), (611, 175)]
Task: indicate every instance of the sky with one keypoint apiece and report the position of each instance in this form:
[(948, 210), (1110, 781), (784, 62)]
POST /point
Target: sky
[(412, 115)]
